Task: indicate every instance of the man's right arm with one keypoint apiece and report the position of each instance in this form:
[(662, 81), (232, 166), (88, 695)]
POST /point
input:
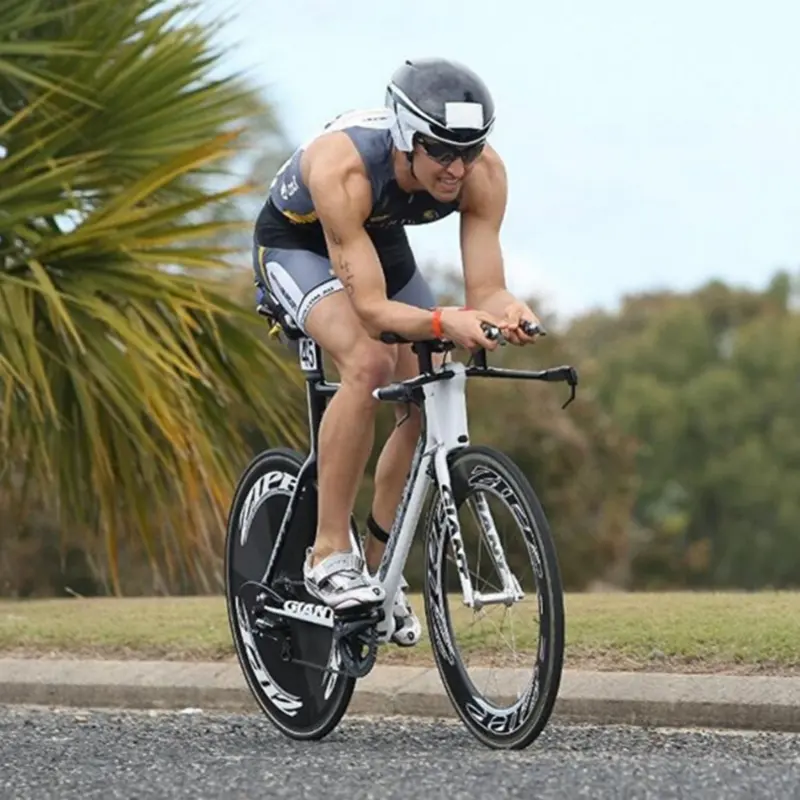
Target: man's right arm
[(343, 198)]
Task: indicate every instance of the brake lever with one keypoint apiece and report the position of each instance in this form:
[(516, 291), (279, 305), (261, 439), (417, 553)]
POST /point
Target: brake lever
[(572, 380), (571, 396), (567, 374)]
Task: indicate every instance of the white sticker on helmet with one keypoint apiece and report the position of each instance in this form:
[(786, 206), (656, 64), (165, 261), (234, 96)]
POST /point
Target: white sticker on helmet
[(463, 115)]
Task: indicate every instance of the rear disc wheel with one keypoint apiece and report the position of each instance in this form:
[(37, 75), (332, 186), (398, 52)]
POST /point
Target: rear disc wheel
[(304, 702)]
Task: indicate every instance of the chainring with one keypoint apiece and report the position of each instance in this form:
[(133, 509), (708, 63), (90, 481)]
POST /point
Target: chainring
[(357, 642)]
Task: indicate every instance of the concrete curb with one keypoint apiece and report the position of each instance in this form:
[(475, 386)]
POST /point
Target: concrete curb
[(666, 699)]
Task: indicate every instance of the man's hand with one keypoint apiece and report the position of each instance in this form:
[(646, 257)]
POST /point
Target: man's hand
[(463, 326), (514, 314)]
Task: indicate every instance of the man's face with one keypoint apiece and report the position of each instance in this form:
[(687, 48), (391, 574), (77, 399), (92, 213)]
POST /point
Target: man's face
[(441, 168)]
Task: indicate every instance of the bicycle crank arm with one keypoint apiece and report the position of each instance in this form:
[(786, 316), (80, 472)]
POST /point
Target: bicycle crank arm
[(312, 613)]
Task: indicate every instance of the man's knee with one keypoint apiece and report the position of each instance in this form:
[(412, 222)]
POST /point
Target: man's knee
[(361, 361), (367, 365)]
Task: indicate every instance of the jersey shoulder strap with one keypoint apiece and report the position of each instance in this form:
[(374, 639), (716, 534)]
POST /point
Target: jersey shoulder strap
[(370, 132)]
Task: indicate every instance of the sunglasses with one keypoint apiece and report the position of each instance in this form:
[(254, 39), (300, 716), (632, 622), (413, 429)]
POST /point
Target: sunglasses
[(445, 154)]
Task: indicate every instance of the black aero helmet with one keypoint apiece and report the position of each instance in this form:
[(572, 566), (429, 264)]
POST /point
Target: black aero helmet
[(440, 99)]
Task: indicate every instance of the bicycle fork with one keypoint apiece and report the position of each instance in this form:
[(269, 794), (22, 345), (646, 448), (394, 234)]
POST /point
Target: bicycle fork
[(512, 591), (448, 518)]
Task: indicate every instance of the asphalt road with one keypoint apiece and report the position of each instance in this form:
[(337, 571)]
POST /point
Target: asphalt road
[(70, 754)]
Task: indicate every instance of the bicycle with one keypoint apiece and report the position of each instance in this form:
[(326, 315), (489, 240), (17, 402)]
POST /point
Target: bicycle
[(301, 660)]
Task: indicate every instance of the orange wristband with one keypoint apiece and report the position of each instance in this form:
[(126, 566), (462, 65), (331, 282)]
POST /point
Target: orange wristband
[(436, 324)]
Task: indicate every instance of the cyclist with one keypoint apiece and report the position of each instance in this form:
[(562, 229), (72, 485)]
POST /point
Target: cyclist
[(330, 244)]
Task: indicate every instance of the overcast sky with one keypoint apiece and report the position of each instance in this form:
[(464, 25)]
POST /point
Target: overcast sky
[(647, 144)]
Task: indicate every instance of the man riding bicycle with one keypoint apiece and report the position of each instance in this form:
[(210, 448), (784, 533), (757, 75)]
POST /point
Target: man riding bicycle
[(330, 245)]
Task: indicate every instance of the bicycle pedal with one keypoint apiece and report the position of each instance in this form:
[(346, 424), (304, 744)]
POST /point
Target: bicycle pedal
[(354, 625)]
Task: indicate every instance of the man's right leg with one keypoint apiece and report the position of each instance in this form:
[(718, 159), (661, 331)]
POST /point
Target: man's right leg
[(302, 282)]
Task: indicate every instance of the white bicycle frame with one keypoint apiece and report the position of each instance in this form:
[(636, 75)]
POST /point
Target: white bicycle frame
[(446, 429)]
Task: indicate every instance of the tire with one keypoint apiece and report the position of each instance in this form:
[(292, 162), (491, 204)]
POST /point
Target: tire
[(518, 725), (301, 701)]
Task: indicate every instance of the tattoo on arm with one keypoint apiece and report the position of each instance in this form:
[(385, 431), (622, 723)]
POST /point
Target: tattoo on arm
[(345, 270), (347, 275)]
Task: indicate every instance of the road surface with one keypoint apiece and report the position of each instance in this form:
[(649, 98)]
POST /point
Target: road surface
[(70, 754)]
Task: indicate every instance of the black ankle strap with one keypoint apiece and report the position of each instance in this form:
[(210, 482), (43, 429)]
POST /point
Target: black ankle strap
[(379, 533)]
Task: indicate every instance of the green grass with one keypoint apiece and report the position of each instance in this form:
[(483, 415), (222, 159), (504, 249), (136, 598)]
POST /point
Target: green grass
[(744, 633)]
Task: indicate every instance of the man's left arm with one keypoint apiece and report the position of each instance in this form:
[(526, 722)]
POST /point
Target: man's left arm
[(482, 213)]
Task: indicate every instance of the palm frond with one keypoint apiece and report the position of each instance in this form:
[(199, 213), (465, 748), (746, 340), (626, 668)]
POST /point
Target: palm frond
[(128, 376)]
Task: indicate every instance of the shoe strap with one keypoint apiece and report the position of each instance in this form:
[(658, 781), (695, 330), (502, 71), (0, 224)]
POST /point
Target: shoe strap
[(335, 564)]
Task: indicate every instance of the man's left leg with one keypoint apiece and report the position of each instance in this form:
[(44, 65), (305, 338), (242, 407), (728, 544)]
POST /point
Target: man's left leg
[(394, 465)]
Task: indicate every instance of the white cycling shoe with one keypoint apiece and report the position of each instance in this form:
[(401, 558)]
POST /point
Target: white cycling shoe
[(407, 629), (341, 581)]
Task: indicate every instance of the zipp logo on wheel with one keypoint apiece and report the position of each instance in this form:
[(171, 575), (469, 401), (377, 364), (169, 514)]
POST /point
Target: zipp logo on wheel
[(267, 486)]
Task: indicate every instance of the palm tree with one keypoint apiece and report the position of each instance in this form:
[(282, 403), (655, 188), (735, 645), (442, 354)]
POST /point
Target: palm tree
[(127, 371)]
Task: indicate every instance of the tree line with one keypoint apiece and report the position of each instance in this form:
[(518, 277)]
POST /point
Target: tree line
[(136, 380)]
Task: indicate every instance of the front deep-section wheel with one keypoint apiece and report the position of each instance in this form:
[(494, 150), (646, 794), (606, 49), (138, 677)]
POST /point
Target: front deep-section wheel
[(283, 658), (501, 659)]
